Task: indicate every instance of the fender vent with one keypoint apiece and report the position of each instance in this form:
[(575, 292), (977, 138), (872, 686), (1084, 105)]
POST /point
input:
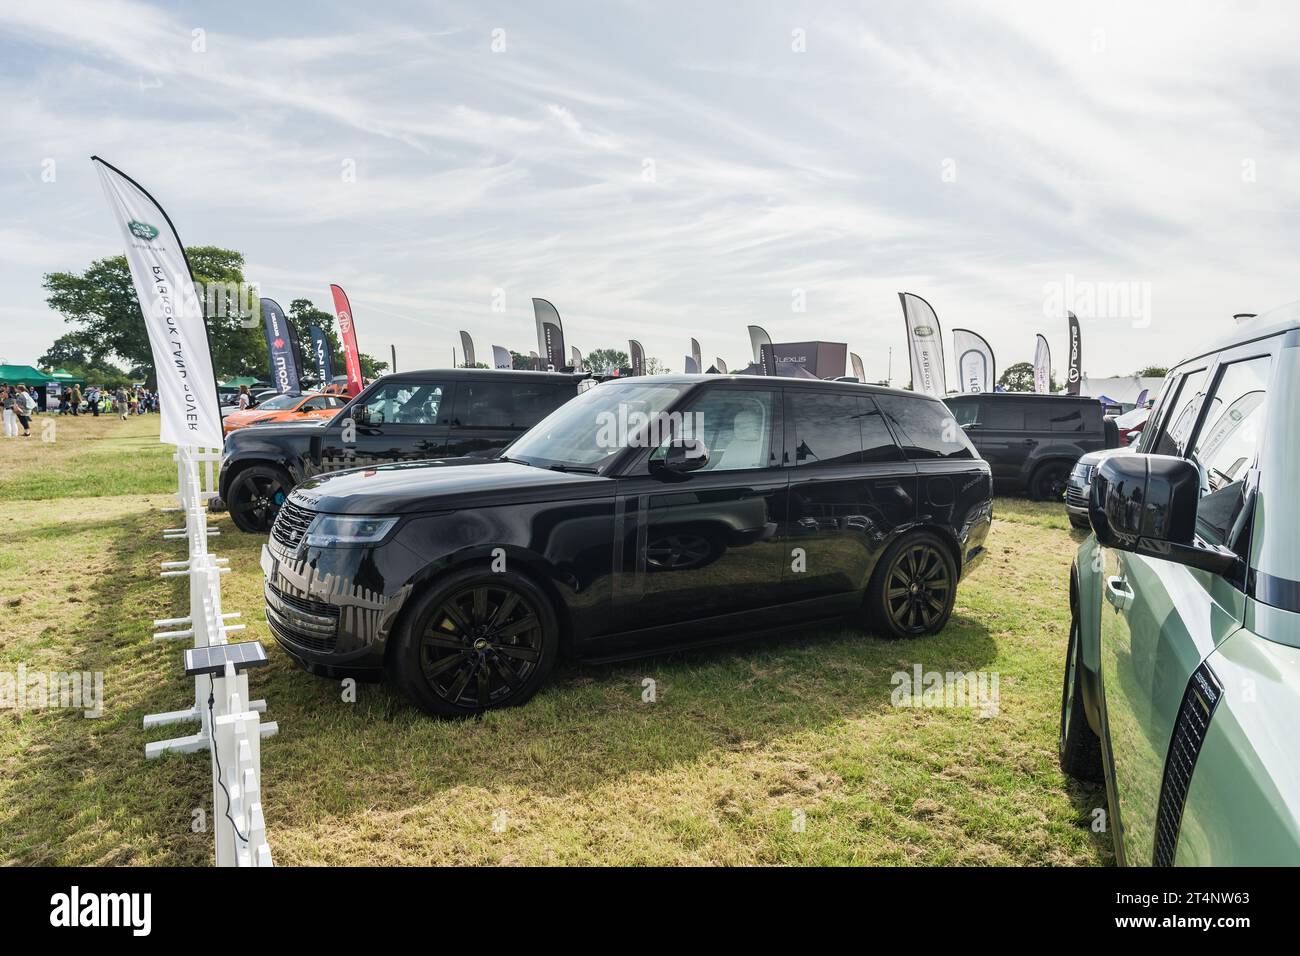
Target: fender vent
[(1199, 700)]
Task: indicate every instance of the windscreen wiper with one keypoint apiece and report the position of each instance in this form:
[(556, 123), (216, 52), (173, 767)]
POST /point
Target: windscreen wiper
[(575, 469)]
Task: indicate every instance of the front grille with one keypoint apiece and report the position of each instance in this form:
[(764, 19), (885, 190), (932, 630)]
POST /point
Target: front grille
[(300, 622), (290, 525), (1075, 497), (1199, 700)]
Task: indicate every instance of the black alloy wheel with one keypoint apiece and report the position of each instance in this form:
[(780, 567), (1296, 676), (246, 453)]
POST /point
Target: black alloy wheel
[(256, 497), (915, 589), (1050, 482), (477, 640)]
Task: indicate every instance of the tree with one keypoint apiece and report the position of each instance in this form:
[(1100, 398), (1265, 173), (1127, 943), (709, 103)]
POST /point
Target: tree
[(1152, 371), (66, 350), (1020, 378), (474, 365), (602, 359), (655, 367)]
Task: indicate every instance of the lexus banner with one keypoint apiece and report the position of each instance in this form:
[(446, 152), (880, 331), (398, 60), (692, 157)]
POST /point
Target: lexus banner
[(501, 357), (467, 346), (550, 335), (172, 311), (638, 356), (348, 332), (321, 356), (1076, 356), (924, 345), (1042, 366), (279, 346), (974, 361)]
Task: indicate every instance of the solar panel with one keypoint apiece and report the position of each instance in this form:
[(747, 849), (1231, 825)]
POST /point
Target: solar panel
[(213, 659)]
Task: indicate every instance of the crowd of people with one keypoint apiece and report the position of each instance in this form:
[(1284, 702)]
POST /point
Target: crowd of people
[(21, 403)]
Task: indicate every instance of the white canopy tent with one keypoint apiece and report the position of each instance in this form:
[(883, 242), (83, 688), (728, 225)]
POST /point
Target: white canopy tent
[(1124, 389)]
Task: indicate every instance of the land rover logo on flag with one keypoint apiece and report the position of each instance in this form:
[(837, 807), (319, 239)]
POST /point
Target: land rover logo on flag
[(923, 331), (142, 230)]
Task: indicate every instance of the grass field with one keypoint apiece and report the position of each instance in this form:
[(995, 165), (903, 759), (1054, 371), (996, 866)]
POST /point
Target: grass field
[(741, 743)]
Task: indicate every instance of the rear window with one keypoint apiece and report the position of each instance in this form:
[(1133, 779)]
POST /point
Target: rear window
[(925, 427)]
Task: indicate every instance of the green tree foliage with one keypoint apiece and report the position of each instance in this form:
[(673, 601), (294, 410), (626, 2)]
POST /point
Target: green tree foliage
[(1020, 378), (601, 359), (1152, 371)]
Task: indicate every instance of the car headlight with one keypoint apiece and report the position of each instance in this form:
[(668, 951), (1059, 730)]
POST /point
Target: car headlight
[(341, 531)]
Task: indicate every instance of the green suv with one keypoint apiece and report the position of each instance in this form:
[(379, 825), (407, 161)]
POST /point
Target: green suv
[(1182, 677)]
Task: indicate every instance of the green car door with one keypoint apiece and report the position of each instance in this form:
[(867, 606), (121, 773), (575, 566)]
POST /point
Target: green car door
[(1159, 620)]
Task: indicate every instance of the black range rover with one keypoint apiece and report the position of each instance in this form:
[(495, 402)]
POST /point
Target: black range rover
[(443, 413), (646, 514)]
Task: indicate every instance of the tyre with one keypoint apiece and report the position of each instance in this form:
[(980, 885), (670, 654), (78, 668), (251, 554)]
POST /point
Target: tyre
[(255, 497), (474, 641), (1078, 747), (1049, 481), (914, 587)]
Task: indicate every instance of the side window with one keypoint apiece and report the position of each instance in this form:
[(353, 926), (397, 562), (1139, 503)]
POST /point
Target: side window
[(405, 403), (827, 428), (1039, 415), (1072, 420), (1159, 409), (1004, 415), (1226, 444), (965, 410), (1177, 426), (736, 425), (877, 442), (313, 405), (925, 427)]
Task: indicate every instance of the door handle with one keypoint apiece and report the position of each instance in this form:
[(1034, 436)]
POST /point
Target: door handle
[(1031, 441), (1118, 592)]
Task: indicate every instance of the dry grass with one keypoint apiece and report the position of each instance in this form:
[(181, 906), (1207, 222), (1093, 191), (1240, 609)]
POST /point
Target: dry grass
[(740, 742)]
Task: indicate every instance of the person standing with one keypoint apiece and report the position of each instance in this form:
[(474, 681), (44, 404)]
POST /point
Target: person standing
[(75, 400), (23, 410), (119, 400), (245, 398), (10, 422), (92, 396)]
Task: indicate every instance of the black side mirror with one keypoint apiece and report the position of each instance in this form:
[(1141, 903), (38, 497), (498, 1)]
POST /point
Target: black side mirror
[(360, 413), (681, 456), (1147, 504)]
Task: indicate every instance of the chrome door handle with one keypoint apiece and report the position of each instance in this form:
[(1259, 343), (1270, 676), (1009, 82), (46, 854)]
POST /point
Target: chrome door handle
[(1118, 592)]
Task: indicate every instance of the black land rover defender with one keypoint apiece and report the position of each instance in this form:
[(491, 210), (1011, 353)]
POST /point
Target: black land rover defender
[(440, 413)]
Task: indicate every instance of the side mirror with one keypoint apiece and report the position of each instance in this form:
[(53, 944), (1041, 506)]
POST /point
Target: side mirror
[(967, 426), (361, 413), (681, 456), (1147, 504)]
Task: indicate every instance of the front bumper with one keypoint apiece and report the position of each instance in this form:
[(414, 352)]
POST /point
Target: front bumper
[(1076, 498)]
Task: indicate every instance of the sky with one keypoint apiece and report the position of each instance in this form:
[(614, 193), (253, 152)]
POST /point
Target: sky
[(667, 170)]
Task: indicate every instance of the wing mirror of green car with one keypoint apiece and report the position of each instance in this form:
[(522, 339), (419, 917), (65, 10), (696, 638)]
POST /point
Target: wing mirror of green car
[(1147, 504)]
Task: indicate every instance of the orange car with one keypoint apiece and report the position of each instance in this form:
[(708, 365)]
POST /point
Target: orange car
[(286, 408)]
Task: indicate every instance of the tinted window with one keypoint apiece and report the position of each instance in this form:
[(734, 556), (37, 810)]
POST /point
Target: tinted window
[(925, 427), (827, 428), (1007, 415), (736, 425), (1177, 427), (877, 442), (1073, 419), (507, 405), (965, 410), (1226, 444)]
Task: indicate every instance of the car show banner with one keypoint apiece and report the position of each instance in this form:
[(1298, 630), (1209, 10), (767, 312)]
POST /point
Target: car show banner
[(924, 345), (575, 358), (501, 357), (638, 356), (696, 354), (279, 347), (720, 365), (975, 363), (758, 337), (820, 359), (172, 311), (1042, 366), (348, 332), (692, 365), (856, 361), (550, 335), (467, 346), (321, 357), (1075, 377)]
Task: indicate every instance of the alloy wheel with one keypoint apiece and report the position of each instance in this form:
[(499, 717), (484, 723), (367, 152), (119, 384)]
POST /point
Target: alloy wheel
[(917, 589), (258, 499), (480, 645)]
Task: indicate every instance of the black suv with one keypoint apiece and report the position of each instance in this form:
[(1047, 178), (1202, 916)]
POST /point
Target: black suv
[(442, 413), (1031, 440), (644, 515)]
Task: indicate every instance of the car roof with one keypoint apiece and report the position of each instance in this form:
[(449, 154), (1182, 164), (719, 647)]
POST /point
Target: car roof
[(509, 374), (1036, 396), (776, 381), (1284, 318)]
